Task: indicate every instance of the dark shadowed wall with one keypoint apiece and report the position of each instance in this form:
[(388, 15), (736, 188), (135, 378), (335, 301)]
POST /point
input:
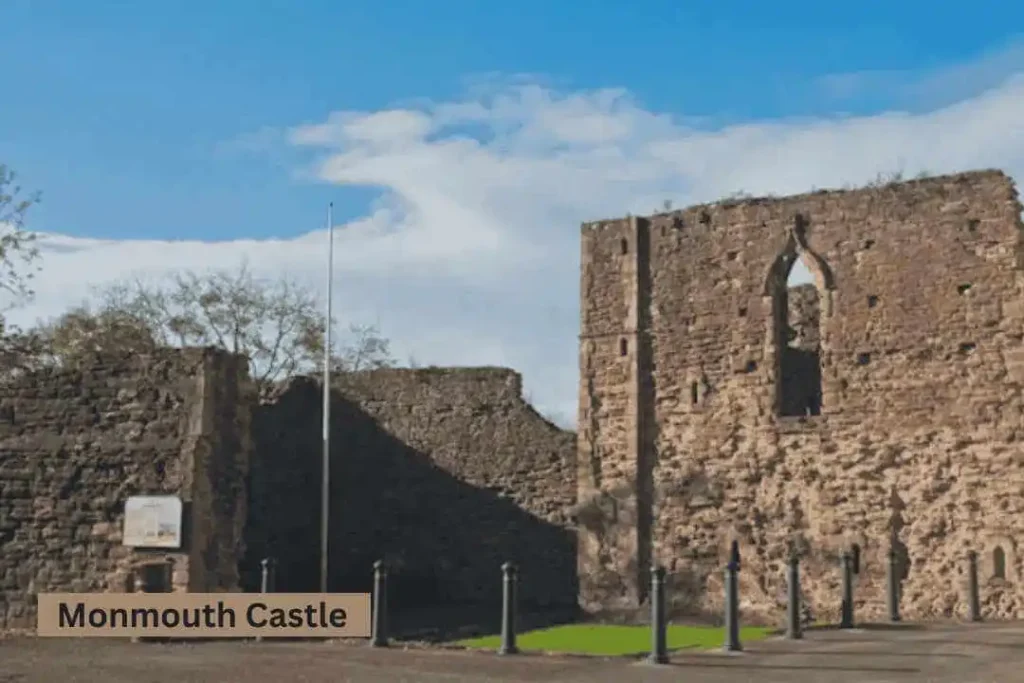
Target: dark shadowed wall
[(443, 473)]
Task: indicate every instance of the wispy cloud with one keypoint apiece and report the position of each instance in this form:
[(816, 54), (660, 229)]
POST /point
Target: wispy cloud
[(471, 253), (920, 90)]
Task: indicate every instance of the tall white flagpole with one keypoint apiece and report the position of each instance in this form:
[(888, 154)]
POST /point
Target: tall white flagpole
[(325, 493)]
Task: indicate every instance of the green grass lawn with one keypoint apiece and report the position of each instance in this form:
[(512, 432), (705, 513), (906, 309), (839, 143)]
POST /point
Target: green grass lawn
[(608, 640)]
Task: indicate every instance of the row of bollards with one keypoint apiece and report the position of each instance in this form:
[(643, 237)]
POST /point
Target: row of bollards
[(849, 561), (378, 628)]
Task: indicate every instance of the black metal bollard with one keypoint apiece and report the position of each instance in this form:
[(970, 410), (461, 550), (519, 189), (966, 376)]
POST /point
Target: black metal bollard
[(659, 640), (508, 610), (732, 601), (266, 580), (379, 637), (893, 593), (794, 631), (267, 574), (846, 618), (973, 597)]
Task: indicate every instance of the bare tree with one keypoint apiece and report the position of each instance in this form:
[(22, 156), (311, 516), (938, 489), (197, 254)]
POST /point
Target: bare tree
[(19, 350), (367, 350), (84, 331), (18, 251), (278, 324)]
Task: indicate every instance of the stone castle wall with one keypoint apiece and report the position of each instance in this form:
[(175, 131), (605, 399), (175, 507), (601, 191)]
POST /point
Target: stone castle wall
[(697, 427), (443, 473), (76, 443)]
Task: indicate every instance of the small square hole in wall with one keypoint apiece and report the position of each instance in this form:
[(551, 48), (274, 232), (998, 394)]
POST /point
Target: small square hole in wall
[(868, 244), (963, 289), (972, 225), (742, 313), (967, 348), (863, 358), (872, 301), (731, 256), (751, 366)]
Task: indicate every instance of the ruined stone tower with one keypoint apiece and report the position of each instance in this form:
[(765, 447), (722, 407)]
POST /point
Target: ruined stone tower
[(880, 405)]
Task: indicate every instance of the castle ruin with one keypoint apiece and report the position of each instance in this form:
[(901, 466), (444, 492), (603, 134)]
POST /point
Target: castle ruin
[(881, 406), (444, 473)]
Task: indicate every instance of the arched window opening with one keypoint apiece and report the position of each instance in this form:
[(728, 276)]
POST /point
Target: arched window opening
[(999, 563), (798, 340)]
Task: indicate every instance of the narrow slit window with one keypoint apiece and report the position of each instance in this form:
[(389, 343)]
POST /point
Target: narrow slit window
[(623, 347), (999, 563), (624, 246), (694, 393)]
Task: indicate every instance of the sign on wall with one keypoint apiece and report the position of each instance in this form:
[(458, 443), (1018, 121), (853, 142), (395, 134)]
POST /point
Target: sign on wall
[(152, 522)]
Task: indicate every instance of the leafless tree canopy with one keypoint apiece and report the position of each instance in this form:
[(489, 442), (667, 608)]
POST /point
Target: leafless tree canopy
[(278, 325), (18, 252)]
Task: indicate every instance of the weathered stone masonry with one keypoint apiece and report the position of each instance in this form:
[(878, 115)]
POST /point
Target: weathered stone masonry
[(702, 418), (443, 473), (74, 444)]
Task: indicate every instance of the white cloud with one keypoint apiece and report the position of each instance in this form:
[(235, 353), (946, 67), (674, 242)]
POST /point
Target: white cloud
[(387, 129), (471, 254), (931, 87)]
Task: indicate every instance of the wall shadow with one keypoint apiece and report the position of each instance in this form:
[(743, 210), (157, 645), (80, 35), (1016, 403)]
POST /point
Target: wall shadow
[(443, 539)]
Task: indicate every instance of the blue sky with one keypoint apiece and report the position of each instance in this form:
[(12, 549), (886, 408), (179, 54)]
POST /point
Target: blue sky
[(463, 142), (120, 109)]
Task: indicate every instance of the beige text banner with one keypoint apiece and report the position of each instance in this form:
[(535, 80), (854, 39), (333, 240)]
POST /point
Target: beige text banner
[(204, 615)]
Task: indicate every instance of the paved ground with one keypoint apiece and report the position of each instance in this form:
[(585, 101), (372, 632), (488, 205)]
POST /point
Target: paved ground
[(979, 653)]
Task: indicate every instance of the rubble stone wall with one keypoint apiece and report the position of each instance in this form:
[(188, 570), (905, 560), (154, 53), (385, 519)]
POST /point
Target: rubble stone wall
[(691, 436), (75, 443)]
